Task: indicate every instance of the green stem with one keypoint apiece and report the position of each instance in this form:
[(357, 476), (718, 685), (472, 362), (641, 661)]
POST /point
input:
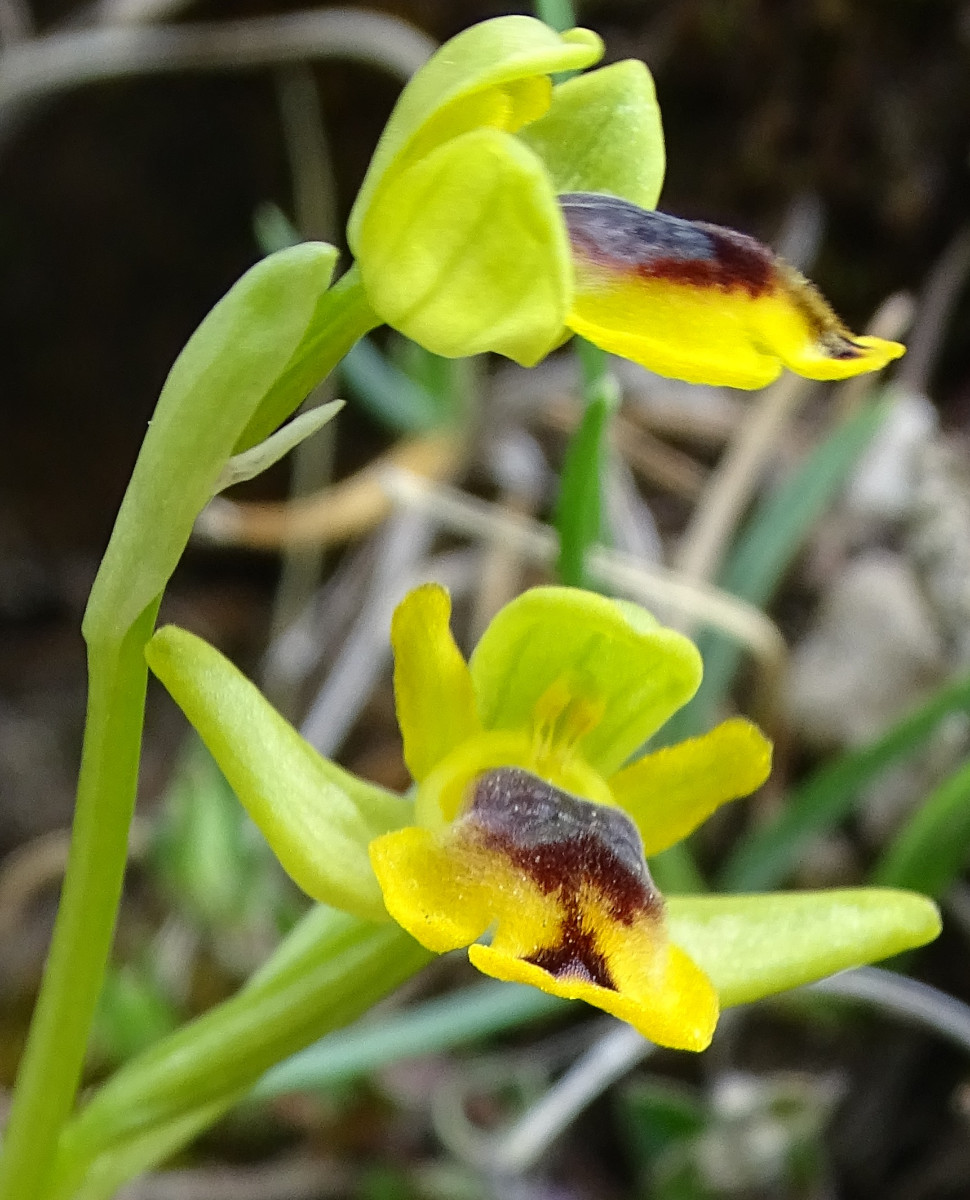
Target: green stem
[(468, 1015), (246, 368), (558, 14), (343, 315), (51, 1066), (323, 982), (578, 513)]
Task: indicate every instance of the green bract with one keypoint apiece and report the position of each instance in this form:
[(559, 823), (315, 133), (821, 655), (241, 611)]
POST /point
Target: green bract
[(216, 389), (458, 237)]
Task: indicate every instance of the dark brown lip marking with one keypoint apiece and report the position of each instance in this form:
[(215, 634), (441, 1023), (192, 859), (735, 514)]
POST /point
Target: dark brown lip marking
[(575, 957), (615, 234), (565, 844)]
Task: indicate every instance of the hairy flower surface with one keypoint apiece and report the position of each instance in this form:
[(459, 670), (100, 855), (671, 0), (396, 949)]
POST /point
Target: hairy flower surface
[(702, 303), (504, 212)]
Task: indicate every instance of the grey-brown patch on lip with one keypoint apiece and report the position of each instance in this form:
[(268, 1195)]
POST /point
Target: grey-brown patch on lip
[(617, 235), (563, 842), (566, 845)]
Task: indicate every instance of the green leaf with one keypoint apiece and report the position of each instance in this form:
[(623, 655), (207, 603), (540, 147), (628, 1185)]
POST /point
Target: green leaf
[(931, 849), (318, 818), (467, 1015), (467, 251), (340, 318), (765, 856), (603, 133), (101, 1178), (330, 970), (213, 391), (476, 79), (754, 946)]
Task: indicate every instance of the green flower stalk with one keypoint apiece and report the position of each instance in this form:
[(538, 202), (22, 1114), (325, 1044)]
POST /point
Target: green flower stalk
[(243, 353), (529, 827)]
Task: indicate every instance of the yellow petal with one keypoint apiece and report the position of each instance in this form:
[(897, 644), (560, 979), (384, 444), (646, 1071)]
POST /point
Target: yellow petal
[(466, 251), (702, 303), (507, 107), (798, 324), (563, 884), (493, 74), (432, 686), (669, 793)]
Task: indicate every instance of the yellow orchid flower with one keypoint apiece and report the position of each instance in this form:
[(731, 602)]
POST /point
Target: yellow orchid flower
[(529, 824), (528, 821), (504, 212)]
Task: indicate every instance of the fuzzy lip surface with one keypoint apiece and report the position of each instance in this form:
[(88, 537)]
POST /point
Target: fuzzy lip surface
[(565, 844), (701, 302), (654, 245), (561, 841)]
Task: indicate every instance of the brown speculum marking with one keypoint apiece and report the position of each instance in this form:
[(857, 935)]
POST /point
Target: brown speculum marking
[(566, 845), (617, 235)]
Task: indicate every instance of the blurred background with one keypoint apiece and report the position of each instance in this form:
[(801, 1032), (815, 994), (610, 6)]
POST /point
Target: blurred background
[(151, 151)]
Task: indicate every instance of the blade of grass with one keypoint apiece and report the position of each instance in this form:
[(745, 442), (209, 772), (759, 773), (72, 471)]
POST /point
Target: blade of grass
[(463, 1016), (765, 856), (675, 872), (559, 14), (388, 394), (931, 849)]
